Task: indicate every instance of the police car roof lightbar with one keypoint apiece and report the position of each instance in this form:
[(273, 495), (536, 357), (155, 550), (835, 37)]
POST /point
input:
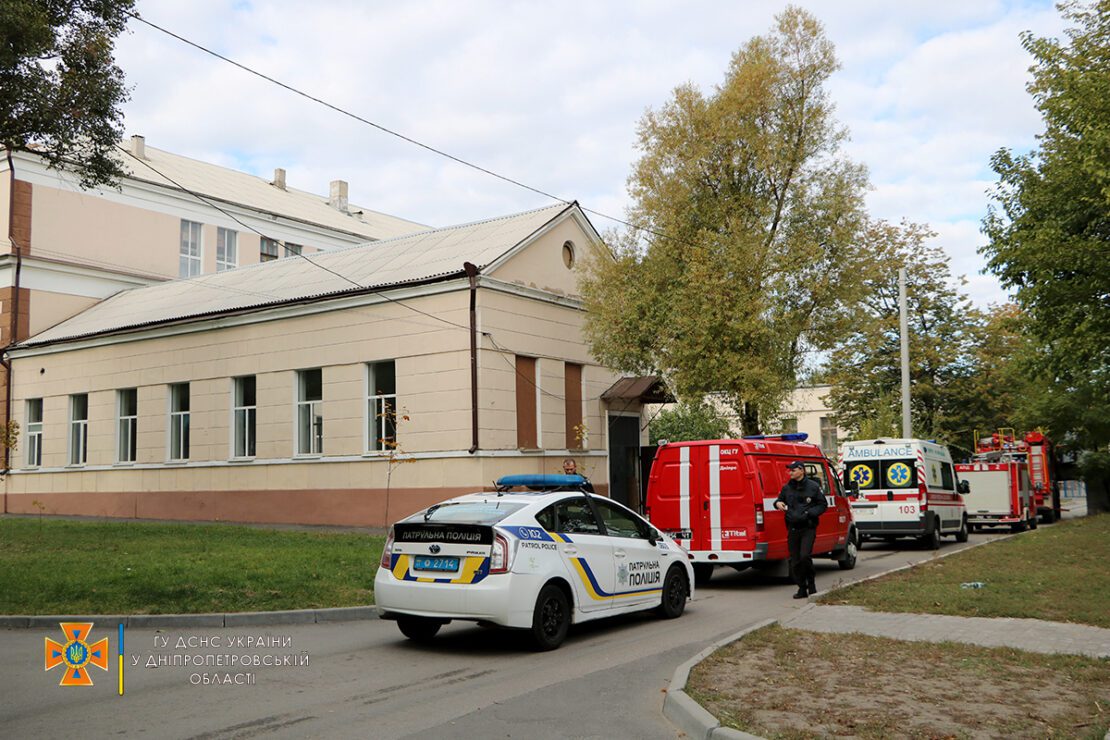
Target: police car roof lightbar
[(789, 437), (539, 482)]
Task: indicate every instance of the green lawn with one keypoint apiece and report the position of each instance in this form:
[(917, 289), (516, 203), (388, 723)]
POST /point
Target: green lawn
[(1059, 573), (81, 567)]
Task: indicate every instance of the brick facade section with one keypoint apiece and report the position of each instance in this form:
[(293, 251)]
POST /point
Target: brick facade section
[(21, 216)]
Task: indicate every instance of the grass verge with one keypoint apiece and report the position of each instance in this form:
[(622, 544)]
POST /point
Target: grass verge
[(1058, 573), (791, 684), (80, 567)]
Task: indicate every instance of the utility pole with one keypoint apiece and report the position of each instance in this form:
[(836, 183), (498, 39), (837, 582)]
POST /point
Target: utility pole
[(903, 324)]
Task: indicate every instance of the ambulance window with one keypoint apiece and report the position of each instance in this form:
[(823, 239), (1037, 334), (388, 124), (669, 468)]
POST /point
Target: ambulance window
[(899, 474), (618, 522), (947, 479), (574, 516), (546, 518), (865, 474)]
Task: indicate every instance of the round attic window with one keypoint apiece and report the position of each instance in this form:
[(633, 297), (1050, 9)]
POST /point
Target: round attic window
[(568, 254)]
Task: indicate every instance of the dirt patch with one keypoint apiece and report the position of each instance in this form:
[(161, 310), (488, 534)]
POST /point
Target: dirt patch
[(781, 683)]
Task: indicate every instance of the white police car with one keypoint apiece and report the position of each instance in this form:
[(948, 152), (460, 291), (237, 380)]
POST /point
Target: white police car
[(538, 559)]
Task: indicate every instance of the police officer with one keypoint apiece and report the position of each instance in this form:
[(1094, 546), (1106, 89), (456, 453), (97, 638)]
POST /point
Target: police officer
[(570, 467), (802, 501)]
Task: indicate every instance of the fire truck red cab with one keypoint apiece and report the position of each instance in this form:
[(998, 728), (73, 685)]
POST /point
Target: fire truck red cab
[(716, 499)]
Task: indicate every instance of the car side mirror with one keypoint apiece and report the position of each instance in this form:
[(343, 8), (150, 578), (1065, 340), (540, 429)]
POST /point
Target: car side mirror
[(653, 537), (963, 487)]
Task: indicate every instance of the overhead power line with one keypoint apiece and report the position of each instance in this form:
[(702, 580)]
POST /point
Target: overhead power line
[(386, 130)]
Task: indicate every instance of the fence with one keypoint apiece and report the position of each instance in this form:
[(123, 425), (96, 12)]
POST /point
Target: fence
[(1073, 489)]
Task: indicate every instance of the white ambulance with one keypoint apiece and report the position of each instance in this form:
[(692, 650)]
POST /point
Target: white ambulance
[(904, 488)]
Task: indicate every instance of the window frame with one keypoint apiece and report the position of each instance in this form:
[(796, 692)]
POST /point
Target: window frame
[(249, 414), (227, 240), (265, 256), (179, 421), (315, 416), (131, 423), (185, 246), (829, 429), (33, 434), (78, 447), (377, 441)]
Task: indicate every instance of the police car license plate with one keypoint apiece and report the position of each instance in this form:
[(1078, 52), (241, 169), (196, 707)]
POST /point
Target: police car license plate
[(438, 564)]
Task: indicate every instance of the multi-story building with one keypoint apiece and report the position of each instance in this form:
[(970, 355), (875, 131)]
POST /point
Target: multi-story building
[(63, 249)]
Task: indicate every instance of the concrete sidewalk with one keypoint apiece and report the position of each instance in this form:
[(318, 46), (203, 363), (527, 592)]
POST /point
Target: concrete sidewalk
[(1033, 635)]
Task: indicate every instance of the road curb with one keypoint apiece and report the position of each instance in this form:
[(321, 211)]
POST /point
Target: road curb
[(162, 621), (697, 722), (691, 717)]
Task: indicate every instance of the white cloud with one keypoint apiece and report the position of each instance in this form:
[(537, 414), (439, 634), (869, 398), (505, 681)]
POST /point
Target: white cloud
[(551, 95)]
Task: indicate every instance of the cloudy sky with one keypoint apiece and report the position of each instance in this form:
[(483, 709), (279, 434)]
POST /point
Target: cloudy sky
[(549, 94)]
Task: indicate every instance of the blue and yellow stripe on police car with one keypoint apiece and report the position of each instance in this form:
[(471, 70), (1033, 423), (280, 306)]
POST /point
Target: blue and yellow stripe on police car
[(474, 570), (594, 589)]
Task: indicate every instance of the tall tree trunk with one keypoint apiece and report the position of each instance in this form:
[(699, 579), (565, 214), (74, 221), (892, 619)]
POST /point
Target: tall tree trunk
[(749, 419)]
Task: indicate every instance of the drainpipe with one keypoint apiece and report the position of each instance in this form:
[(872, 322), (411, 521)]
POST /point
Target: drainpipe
[(472, 276)]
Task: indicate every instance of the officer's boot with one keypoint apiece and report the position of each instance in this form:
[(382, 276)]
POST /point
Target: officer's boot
[(811, 585), (802, 592)]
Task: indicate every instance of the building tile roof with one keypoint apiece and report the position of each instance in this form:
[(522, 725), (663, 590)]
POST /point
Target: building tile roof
[(422, 257), (232, 186)]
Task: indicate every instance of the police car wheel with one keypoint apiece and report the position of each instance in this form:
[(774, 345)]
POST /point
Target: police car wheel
[(551, 618), (419, 629), (675, 591)]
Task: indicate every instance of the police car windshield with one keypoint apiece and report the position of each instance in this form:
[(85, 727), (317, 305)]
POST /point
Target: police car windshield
[(468, 512)]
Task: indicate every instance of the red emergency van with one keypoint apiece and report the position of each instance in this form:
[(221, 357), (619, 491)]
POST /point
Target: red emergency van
[(716, 499)]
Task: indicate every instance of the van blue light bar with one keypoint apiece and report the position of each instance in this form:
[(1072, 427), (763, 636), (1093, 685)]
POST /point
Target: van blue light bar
[(791, 437), (540, 481)]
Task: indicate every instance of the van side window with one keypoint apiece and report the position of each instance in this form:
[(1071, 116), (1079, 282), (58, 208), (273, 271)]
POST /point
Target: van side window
[(574, 516), (947, 479), (817, 472)]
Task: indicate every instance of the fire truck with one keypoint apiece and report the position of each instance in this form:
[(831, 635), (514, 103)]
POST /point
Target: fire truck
[(1036, 453)]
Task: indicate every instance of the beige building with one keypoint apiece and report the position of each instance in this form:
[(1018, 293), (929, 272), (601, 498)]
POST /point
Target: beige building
[(63, 249), (350, 389), (806, 410)]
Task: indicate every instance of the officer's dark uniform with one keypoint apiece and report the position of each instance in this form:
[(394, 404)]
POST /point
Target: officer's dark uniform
[(804, 506)]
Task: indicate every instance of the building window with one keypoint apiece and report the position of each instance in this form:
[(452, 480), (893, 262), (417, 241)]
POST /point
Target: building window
[(227, 249), (292, 250), (310, 420), (244, 409), (381, 406), (790, 425), (576, 431), (78, 428), (189, 263), (269, 250), (34, 432), (179, 422), (127, 413), (527, 401), (828, 436)]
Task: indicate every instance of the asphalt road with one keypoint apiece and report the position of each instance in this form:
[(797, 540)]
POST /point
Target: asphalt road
[(363, 680)]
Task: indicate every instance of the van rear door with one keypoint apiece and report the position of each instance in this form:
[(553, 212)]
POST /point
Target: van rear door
[(732, 495), (669, 497)]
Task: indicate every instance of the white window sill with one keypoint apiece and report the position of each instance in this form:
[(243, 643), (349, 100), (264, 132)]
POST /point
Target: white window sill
[(308, 457), (123, 464), (240, 459)]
